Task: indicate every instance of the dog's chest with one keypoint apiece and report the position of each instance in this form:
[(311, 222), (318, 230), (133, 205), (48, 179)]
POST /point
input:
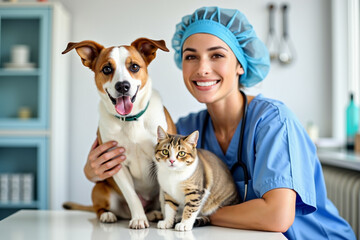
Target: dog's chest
[(138, 142)]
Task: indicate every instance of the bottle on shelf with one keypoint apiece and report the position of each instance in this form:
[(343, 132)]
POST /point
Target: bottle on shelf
[(352, 122)]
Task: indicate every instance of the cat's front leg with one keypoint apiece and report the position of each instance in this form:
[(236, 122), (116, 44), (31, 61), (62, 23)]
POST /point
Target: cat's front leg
[(170, 210), (193, 203)]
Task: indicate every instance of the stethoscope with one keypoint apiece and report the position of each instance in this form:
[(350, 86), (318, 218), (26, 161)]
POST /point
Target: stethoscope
[(239, 161)]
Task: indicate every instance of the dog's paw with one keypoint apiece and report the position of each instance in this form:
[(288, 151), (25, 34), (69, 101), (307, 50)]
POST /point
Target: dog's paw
[(165, 224), (139, 223), (154, 216), (184, 226), (108, 217)]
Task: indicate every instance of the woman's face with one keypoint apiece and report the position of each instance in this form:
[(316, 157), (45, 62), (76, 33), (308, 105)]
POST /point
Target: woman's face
[(210, 69)]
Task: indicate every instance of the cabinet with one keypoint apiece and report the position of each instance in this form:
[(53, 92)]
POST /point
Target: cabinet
[(34, 97)]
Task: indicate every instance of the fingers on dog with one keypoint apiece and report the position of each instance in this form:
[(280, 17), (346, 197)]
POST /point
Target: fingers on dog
[(111, 172), (101, 149), (112, 153)]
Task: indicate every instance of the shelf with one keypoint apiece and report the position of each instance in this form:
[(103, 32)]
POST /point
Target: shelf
[(19, 72), (24, 30), (19, 91), (33, 204)]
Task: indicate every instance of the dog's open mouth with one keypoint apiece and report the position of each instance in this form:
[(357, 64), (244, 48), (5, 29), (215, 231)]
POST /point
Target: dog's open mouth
[(123, 104)]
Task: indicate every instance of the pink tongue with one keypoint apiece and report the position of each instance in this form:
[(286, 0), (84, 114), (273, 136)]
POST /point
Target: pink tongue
[(123, 105)]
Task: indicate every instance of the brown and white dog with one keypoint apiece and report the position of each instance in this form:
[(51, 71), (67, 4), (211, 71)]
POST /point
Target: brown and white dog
[(130, 112)]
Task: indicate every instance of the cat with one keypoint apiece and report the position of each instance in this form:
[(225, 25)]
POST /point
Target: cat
[(195, 180)]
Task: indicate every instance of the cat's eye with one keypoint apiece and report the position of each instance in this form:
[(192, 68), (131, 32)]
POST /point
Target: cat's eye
[(182, 154), (165, 152)]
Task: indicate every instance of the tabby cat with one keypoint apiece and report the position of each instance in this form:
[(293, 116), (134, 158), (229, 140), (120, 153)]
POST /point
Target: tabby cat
[(191, 179)]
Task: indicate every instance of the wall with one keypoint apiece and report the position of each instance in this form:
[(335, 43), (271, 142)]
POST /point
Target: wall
[(305, 85)]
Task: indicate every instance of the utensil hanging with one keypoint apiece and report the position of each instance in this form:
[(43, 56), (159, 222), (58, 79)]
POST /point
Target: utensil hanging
[(272, 41), (286, 52)]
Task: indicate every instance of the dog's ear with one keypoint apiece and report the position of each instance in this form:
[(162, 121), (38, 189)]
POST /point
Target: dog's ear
[(87, 50), (148, 48)]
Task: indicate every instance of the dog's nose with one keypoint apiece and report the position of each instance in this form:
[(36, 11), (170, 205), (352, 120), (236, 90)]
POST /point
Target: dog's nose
[(122, 87)]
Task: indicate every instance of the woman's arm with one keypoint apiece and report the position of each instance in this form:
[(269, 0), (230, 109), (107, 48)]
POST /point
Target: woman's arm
[(103, 160), (275, 211)]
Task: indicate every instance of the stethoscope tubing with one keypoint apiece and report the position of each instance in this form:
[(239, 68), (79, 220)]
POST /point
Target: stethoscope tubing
[(240, 147)]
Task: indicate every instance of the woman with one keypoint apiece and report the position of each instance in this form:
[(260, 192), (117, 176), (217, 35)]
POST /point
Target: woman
[(277, 172)]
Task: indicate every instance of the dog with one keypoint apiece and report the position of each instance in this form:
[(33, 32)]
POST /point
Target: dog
[(130, 111)]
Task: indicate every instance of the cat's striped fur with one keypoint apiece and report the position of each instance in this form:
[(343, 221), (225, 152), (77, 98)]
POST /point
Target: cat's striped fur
[(191, 179)]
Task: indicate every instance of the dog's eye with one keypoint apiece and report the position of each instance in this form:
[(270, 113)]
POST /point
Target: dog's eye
[(134, 68), (107, 70)]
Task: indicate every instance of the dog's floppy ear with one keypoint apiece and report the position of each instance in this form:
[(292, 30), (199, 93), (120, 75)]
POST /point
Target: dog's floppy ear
[(148, 48), (87, 50)]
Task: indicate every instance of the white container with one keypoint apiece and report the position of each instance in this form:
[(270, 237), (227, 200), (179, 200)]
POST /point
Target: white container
[(27, 183), (20, 54), (15, 188), (4, 188)]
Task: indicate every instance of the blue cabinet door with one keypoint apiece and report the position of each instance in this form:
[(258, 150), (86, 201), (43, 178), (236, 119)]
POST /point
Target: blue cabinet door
[(21, 155), (24, 87)]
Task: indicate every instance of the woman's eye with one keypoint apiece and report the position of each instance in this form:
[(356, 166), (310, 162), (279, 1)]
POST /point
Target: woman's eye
[(134, 68), (189, 57), (218, 56), (165, 152), (107, 70), (182, 154)]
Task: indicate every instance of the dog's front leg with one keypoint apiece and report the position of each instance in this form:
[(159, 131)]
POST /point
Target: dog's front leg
[(125, 182)]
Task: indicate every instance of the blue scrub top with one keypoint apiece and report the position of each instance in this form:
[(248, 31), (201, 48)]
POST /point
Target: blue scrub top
[(278, 154)]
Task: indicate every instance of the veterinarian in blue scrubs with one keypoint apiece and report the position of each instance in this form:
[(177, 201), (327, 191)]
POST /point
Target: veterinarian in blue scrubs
[(219, 52)]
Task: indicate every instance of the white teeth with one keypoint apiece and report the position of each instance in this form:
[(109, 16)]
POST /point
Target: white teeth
[(206, 84)]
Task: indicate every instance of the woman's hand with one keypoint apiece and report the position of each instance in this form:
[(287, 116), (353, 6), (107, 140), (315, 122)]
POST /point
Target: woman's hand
[(103, 160)]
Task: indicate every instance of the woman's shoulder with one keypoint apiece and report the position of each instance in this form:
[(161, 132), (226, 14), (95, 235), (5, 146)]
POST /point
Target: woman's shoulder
[(193, 121), (268, 108)]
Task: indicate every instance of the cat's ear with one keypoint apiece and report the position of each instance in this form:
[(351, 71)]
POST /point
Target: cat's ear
[(193, 138), (161, 134)]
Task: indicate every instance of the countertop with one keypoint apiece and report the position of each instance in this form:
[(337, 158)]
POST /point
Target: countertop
[(340, 158), (77, 225)]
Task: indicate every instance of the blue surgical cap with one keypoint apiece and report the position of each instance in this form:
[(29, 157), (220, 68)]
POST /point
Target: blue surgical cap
[(233, 28)]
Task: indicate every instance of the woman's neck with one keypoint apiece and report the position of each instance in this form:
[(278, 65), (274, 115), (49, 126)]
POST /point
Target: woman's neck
[(226, 115)]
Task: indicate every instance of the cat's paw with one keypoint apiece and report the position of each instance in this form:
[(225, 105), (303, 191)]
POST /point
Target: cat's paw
[(154, 216), (184, 226), (165, 224), (108, 217), (138, 223)]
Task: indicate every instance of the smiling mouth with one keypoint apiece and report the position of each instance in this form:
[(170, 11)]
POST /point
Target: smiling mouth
[(124, 103), (206, 83)]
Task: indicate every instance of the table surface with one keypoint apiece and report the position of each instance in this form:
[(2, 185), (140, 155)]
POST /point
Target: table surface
[(77, 225)]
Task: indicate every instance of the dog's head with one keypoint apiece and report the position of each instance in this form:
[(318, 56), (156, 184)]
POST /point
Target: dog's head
[(120, 72)]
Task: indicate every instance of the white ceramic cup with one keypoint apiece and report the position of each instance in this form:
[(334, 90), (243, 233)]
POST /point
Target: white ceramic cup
[(20, 54)]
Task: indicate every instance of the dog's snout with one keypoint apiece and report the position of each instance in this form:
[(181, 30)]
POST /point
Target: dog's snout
[(122, 87)]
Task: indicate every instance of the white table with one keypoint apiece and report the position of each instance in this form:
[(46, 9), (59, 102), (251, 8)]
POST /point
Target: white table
[(77, 225)]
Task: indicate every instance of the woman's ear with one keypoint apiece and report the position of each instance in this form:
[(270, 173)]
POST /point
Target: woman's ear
[(239, 69)]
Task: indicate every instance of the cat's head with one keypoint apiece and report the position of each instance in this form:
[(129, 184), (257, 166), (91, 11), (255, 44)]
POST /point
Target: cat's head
[(175, 152)]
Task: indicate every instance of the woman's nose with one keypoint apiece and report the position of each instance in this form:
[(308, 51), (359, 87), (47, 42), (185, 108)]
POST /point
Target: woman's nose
[(204, 68)]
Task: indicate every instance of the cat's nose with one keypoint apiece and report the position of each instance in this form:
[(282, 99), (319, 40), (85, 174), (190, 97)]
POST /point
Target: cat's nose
[(172, 161)]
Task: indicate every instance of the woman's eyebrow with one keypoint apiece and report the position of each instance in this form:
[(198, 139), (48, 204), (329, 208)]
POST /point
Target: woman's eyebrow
[(189, 49), (209, 49), (216, 48)]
